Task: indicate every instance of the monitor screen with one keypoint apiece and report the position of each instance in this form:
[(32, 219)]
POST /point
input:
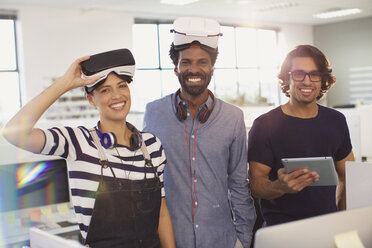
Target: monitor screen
[(319, 231), (358, 184), (34, 184)]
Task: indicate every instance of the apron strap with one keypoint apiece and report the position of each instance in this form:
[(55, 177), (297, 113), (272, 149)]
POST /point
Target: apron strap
[(101, 153), (146, 154), (147, 158)]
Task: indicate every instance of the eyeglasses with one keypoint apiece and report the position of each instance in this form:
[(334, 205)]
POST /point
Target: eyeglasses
[(299, 75)]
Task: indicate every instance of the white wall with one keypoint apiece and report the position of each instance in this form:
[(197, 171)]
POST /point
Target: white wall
[(53, 38), (348, 46), (294, 35)]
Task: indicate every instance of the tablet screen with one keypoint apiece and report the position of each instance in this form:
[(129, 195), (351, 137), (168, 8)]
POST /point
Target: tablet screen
[(324, 166)]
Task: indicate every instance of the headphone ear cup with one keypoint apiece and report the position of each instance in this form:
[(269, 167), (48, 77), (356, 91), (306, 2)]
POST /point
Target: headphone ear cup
[(135, 141), (108, 140), (204, 114), (181, 111)]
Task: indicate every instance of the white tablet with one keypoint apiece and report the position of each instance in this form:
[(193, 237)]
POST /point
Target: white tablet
[(324, 166)]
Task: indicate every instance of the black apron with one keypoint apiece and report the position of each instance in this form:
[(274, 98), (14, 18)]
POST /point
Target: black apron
[(126, 212)]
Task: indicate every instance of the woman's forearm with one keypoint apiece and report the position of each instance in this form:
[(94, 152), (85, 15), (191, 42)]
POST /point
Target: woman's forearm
[(165, 229), (20, 129)]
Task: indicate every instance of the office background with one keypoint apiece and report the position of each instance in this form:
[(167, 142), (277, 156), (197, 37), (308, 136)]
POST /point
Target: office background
[(50, 35)]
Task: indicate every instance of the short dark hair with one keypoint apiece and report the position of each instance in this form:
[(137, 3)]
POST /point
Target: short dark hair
[(321, 61), (175, 53)]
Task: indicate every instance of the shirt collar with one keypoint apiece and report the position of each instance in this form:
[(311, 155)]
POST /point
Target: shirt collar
[(209, 102)]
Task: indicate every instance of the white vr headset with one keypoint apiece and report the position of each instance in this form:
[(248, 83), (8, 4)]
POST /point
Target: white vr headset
[(119, 61), (127, 70), (189, 29)]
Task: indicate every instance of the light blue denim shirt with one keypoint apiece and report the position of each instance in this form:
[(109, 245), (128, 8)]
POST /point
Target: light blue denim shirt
[(206, 173)]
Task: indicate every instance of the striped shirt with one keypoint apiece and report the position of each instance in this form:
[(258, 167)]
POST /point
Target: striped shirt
[(84, 170)]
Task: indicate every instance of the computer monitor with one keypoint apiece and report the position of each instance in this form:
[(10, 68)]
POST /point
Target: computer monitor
[(317, 231), (42, 239), (358, 184), (33, 184)]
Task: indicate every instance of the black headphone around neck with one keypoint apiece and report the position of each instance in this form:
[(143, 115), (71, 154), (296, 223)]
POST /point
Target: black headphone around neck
[(109, 141), (181, 108)]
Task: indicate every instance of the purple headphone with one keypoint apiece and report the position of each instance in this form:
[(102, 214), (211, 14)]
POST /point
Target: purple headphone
[(109, 141)]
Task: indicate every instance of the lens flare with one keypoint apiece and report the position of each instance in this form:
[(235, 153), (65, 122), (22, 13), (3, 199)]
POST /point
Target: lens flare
[(27, 174)]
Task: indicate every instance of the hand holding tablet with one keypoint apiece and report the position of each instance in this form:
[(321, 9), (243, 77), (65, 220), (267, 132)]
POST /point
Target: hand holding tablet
[(324, 166)]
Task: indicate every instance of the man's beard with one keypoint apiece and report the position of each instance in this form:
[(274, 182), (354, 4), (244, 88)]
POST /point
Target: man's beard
[(194, 90)]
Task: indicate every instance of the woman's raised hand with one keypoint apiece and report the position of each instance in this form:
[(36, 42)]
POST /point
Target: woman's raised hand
[(72, 77)]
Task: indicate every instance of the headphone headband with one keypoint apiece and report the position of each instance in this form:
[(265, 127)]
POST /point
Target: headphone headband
[(109, 141)]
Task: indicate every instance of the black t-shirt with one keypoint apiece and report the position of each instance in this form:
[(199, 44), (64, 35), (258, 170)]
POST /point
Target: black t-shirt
[(275, 135)]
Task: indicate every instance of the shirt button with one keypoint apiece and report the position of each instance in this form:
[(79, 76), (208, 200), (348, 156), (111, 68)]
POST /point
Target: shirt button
[(193, 158), (188, 114), (196, 203), (192, 136), (197, 226)]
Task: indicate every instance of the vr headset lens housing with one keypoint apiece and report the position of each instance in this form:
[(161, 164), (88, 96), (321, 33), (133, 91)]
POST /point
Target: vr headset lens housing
[(121, 62), (194, 29)]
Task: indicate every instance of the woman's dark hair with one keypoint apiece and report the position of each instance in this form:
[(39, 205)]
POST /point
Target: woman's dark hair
[(321, 61), (175, 53)]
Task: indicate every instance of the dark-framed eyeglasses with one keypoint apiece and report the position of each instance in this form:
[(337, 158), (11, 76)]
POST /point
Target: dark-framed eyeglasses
[(299, 75)]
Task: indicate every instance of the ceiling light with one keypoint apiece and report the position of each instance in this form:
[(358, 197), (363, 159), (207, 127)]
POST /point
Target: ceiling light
[(337, 13), (274, 6), (177, 2)]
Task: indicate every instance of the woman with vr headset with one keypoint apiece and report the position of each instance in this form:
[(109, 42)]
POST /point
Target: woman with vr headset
[(115, 172)]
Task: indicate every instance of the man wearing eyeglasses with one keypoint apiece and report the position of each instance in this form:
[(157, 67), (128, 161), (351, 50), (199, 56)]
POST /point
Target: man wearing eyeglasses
[(299, 128)]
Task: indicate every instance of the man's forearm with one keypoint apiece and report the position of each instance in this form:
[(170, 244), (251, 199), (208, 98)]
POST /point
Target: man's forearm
[(265, 189), (341, 196)]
